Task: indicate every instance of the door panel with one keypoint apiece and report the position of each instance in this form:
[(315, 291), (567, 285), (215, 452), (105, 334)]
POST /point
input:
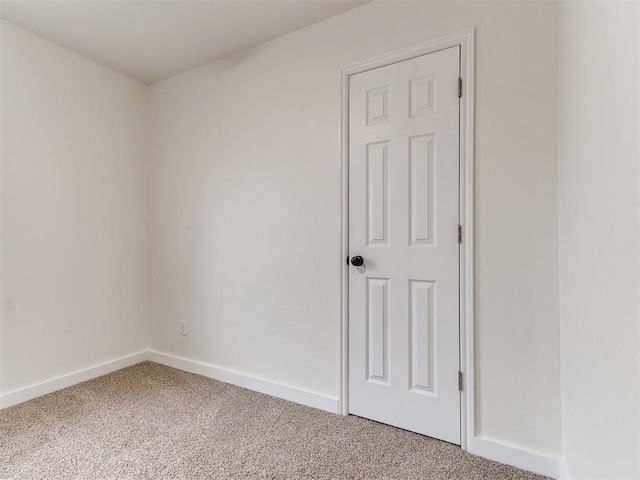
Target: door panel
[(403, 218)]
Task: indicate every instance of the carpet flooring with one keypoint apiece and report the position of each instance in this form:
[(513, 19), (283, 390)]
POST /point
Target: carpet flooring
[(154, 422)]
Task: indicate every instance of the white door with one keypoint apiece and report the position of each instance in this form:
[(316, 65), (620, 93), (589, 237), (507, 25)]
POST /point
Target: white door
[(403, 222)]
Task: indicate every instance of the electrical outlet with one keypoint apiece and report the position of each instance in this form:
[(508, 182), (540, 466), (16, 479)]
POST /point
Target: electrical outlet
[(183, 327)]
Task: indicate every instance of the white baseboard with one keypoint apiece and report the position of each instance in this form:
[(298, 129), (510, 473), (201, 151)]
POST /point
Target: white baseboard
[(33, 391), (293, 394), (287, 392), (516, 457)]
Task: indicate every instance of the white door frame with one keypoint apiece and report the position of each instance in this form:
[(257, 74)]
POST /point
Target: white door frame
[(466, 40)]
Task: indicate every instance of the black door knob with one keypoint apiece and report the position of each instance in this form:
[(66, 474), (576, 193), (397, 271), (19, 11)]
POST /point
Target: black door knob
[(357, 261)]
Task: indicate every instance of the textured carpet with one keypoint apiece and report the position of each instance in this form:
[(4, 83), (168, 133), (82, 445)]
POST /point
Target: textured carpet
[(153, 422)]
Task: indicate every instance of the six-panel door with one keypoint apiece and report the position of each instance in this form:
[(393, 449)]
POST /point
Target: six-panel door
[(403, 218)]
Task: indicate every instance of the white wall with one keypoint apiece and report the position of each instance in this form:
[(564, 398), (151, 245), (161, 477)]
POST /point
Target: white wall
[(245, 196), (74, 212), (599, 158)]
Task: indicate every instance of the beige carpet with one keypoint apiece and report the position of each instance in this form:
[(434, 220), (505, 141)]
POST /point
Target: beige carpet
[(154, 422)]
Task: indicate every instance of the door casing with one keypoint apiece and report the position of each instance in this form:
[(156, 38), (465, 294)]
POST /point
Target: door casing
[(466, 40)]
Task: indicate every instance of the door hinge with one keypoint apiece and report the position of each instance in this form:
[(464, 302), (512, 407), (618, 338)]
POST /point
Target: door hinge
[(459, 381), (459, 233), (459, 87)]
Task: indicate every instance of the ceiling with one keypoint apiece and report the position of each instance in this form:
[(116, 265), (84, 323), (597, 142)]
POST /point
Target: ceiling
[(151, 40)]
